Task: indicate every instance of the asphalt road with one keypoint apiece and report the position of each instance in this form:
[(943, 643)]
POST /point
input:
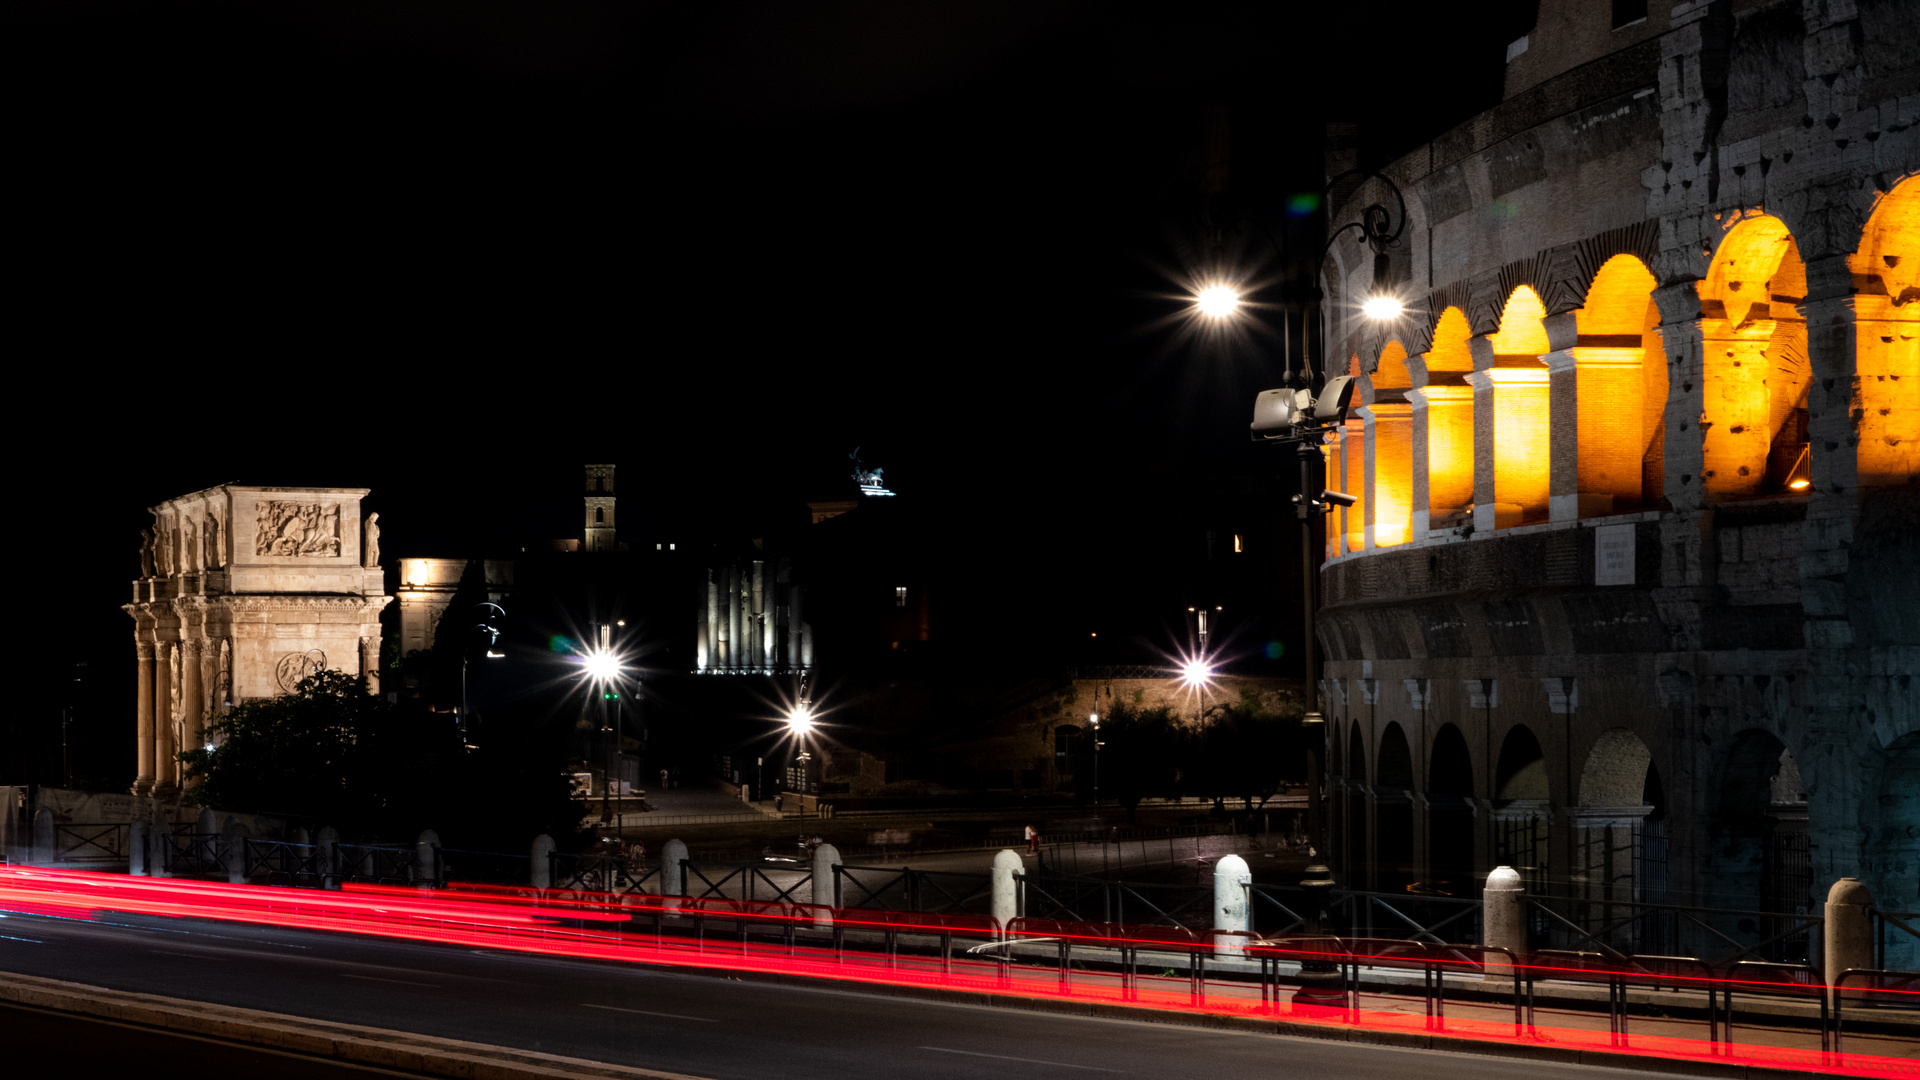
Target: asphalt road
[(661, 1019)]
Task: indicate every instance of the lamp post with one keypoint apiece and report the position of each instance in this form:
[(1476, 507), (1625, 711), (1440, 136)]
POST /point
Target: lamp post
[(1093, 721), (486, 614), (1306, 416)]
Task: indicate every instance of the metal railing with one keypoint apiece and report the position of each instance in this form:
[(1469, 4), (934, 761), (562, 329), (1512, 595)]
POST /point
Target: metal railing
[(1890, 926), (90, 841), (284, 863), (612, 874), (1564, 923), (889, 888), (378, 864)]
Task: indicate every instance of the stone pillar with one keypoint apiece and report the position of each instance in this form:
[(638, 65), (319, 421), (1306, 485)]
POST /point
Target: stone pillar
[(233, 841), (137, 847), (143, 719), (703, 624), (825, 858), (43, 837), (192, 736), (1504, 916), (426, 859), (166, 770), (1231, 907), (672, 876), (1737, 430), (324, 840), (540, 863), (1847, 940), (1008, 868)]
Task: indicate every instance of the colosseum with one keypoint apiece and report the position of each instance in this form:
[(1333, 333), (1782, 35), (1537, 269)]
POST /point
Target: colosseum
[(1630, 599)]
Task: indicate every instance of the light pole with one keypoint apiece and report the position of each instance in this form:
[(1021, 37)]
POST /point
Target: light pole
[(1306, 416), (602, 666), (487, 614), (1093, 721)]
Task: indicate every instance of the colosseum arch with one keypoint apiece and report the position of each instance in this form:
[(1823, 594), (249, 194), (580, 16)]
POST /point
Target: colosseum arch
[(1754, 358), (1616, 399), (1521, 809), (1390, 482), (1510, 383), (1886, 397), (1450, 812), (1757, 859), (1350, 473), (1609, 839), (1892, 845), (1393, 809), (1356, 823), (1447, 400)]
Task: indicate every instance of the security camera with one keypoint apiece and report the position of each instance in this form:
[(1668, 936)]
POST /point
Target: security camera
[(1338, 498)]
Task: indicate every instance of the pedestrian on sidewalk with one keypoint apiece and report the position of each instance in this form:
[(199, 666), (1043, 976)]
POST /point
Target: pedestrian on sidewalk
[(1033, 841)]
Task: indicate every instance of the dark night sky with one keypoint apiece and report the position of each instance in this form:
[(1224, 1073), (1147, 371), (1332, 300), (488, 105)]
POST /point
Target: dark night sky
[(452, 251)]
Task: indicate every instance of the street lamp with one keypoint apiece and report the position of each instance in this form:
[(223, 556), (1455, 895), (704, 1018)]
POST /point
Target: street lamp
[(1093, 721), (1306, 416), (602, 668)]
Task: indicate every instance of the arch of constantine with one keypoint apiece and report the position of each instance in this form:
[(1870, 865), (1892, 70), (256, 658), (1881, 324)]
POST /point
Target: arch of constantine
[(244, 591), (1630, 599)]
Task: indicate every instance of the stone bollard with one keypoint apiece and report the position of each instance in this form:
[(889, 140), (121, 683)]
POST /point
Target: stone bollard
[(137, 848), (206, 824), (325, 840), (1504, 917), (1230, 880), (234, 840), (1008, 868), (426, 859), (673, 876), (540, 863), (825, 858), (160, 850), (1848, 938), (43, 852)]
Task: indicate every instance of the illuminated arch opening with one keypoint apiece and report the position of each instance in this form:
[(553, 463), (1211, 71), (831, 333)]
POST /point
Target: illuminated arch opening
[(1353, 473), (1448, 402), (1517, 382), (1754, 426), (1886, 388), (1621, 392), (1392, 495)]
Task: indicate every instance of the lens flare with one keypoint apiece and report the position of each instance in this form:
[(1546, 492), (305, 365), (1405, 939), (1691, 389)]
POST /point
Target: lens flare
[(800, 720), (601, 666), (1217, 301)]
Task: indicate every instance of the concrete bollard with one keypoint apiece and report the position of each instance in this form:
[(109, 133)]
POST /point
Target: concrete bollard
[(206, 824), (161, 847), (825, 858), (137, 848), (426, 859), (1230, 903), (233, 839), (1008, 868), (1848, 935), (325, 840), (673, 876), (540, 862), (1504, 917), (43, 853)]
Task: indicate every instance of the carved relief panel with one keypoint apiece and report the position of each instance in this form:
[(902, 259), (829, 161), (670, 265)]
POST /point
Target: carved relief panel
[(297, 529)]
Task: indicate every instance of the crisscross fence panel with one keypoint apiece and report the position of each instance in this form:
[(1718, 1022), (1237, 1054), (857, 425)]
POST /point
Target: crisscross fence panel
[(378, 864), (284, 863), (80, 842), (184, 854), (611, 874), (747, 881), (1719, 936), (887, 888)]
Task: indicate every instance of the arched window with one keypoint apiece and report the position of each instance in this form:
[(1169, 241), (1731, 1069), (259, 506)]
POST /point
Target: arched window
[(599, 515), (1753, 429), (1887, 337), (1621, 389), (1521, 433), (1392, 495), (1448, 401)]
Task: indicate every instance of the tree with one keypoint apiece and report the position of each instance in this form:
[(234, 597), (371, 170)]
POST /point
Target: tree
[(333, 754), (1250, 749), (1143, 751)]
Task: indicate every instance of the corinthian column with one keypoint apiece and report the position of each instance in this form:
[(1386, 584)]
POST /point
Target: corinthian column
[(166, 771), (191, 700), (143, 712)]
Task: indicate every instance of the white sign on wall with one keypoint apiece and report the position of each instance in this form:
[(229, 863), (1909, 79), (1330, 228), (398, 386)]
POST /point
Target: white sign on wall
[(1613, 555)]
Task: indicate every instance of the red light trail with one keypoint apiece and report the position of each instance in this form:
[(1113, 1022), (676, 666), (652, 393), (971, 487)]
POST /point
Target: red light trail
[(611, 928)]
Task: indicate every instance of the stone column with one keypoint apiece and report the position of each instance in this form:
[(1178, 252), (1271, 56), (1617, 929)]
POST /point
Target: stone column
[(1736, 431), (703, 626), (166, 771), (540, 864), (191, 720), (143, 722)]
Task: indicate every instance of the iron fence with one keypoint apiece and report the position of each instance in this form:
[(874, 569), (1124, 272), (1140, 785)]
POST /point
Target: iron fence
[(379, 864), (612, 874), (90, 841), (284, 863), (905, 889), (1719, 936)]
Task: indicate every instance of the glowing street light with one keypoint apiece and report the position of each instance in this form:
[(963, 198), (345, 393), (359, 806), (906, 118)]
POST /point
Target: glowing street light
[(601, 665), (1382, 306), (1196, 672), (800, 719), (1217, 301)]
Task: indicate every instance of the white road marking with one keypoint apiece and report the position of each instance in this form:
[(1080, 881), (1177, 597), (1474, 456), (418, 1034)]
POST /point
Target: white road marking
[(645, 1012), (396, 982), (1030, 1061)]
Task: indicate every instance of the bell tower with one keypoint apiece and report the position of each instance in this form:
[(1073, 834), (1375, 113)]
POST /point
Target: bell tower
[(599, 509)]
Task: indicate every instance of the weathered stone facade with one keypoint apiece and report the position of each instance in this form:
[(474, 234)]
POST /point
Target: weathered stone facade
[(242, 592), (1631, 599)]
